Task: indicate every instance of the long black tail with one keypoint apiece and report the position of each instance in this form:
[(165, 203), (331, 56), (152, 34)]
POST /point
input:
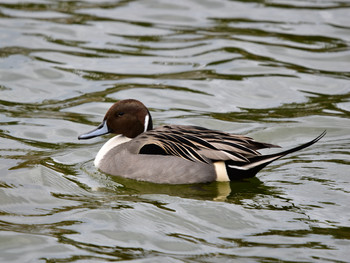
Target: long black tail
[(247, 170)]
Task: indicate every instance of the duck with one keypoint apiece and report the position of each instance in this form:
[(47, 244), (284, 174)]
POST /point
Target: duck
[(176, 154)]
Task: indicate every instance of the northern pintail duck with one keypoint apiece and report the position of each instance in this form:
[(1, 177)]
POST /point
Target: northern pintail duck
[(175, 154)]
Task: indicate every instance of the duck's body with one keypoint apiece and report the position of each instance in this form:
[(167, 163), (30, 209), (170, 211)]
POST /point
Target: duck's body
[(175, 154), (124, 160)]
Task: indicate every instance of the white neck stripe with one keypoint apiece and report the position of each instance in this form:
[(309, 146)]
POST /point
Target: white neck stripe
[(146, 123), (109, 145)]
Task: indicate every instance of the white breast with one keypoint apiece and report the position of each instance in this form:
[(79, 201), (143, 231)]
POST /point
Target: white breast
[(110, 144)]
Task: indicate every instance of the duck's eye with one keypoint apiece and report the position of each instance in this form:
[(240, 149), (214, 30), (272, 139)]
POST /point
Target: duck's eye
[(120, 113)]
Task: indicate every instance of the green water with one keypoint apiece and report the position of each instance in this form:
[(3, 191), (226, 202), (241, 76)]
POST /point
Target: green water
[(277, 71)]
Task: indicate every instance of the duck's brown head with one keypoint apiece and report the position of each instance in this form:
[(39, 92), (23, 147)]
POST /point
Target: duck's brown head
[(127, 117)]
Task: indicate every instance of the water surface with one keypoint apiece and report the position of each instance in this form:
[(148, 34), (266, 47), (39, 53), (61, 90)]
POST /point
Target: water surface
[(275, 70)]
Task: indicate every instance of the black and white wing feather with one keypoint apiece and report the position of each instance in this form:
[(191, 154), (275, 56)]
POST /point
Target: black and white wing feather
[(200, 144)]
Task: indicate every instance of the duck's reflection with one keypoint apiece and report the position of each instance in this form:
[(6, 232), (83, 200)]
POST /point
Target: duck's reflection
[(233, 191)]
